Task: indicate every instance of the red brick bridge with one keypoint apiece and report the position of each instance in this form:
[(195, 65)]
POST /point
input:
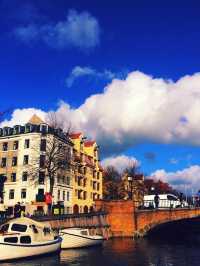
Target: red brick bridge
[(120, 218), (125, 220)]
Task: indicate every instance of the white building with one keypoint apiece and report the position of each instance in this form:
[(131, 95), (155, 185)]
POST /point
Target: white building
[(22, 155)]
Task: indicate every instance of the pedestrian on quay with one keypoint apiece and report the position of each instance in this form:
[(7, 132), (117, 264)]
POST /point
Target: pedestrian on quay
[(17, 210), (2, 210), (181, 199), (156, 200)]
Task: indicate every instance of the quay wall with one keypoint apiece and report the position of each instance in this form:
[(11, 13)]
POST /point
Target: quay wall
[(96, 222), (119, 218)]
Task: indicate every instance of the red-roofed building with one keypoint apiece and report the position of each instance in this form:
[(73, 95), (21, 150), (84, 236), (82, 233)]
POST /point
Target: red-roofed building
[(75, 135)]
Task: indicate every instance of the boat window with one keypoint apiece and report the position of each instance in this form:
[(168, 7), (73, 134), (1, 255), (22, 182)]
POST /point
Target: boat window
[(4, 228), (84, 233), (19, 227), (34, 229), (11, 239), (25, 239)]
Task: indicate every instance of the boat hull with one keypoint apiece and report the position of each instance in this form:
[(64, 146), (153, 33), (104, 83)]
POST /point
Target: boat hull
[(16, 251), (76, 241)]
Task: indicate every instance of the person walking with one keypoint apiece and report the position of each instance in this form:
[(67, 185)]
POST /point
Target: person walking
[(156, 200), (181, 199), (17, 210), (2, 210)]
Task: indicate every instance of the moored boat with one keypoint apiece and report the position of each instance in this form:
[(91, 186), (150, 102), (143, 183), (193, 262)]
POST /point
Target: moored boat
[(77, 238), (24, 237)]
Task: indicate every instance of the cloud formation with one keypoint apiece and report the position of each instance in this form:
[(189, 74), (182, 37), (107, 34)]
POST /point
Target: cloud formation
[(137, 109), (186, 180), (80, 30), (120, 162), (79, 71), (22, 116)]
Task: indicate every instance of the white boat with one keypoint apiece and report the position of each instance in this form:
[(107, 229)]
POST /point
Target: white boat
[(24, 237), (77, 238)]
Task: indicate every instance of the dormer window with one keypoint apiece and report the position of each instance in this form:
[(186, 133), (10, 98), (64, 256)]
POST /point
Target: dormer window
[(16, 129), (43, 128), (5, 131), (28, 128)]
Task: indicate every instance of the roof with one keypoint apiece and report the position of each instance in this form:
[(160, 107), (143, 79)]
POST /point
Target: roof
[(100, 167), (89, 143), (36, 120), (27, 221), (75, 135)]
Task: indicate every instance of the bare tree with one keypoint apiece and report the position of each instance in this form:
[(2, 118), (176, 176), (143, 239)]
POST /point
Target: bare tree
[(52, 156), (112, 184)]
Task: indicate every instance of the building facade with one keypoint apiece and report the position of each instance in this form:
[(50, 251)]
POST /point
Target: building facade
[(26, 166), (87, 184)]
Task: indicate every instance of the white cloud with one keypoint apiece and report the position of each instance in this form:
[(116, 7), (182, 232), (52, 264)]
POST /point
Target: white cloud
[(139, 108), (173, 161), (79, 71), (186, 180), (120, 162), (22, 116), (80, 30)]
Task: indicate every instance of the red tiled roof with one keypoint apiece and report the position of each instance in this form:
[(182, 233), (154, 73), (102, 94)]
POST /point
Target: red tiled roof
[(89, 143), (75, 135), (100, 168)]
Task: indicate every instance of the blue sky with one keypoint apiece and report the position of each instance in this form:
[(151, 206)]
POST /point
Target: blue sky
[(53, 51)]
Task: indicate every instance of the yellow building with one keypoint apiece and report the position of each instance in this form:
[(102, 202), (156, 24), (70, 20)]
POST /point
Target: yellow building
[(87, 184)]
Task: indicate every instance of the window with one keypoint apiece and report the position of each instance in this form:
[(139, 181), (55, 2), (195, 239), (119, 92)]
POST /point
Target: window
[(84, 195), (13, 177), (42, 160), (58, 194), (98, 175), (68, 180), (25, 159), (11, 239), (19, 227), (11, 194), (24, 176), (5, 146), (23, 193), (15, 145), (27, 143), (41, 178), (43, 145), (63, 195), (3, 162), (68, 195), (84, 233), (25, 239), (98, 186), (14, 161), (85, 170)]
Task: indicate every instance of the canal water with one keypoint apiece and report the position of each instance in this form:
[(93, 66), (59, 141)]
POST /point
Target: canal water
[(125, 252)]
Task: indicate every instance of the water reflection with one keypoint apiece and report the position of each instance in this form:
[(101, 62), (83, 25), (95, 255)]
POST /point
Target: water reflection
[(124, 252)]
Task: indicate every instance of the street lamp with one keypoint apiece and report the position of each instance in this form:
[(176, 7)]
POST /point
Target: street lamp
[(130, 181), (152, 190)]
